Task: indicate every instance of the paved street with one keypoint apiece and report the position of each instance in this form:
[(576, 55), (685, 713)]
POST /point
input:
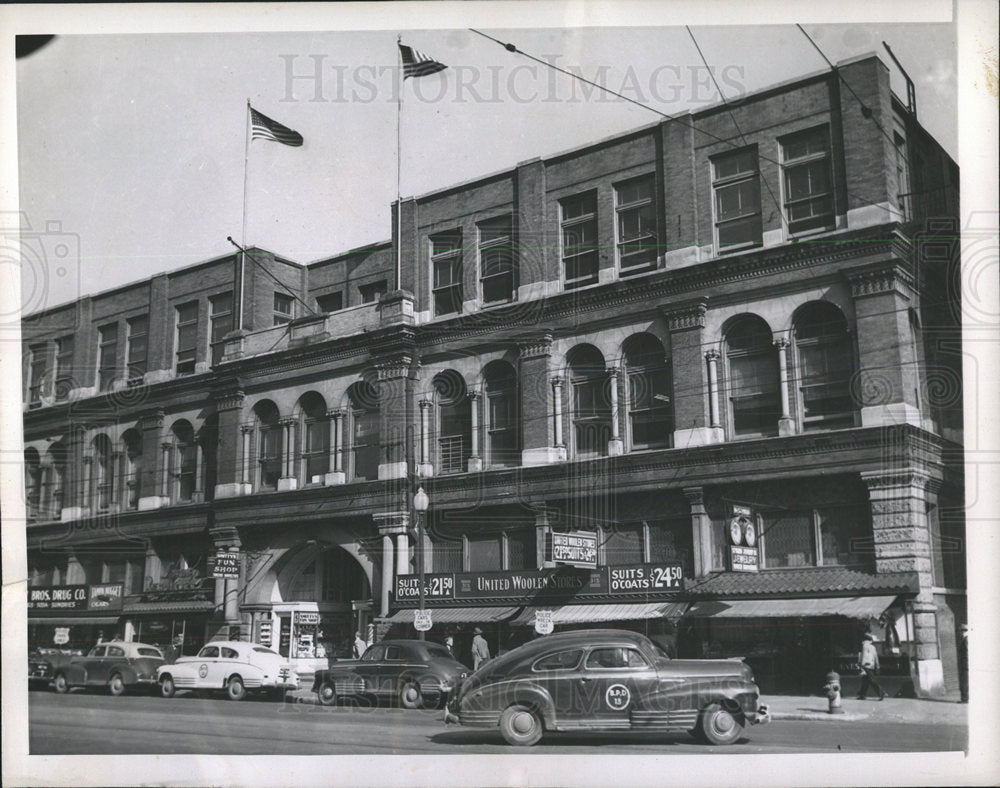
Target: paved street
[(93, 723)]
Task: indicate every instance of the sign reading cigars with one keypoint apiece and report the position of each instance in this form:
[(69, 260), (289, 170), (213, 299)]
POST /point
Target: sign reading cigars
[(537, 586), (59, 599)]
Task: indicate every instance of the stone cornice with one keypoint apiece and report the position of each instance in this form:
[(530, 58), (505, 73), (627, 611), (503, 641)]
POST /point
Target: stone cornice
[(535, 347), (229, 400), (884, 277), (681, 317)]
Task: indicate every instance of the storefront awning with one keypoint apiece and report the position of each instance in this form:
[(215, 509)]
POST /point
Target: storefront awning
[(583, 614), (456, 615), (850, 607), (73, 621), (192, 606)]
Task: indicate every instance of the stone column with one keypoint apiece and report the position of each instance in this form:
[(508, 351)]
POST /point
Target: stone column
[(165, 491), (199, 464), (227, 538), (391, 524), (246, 438), (386, 589), (786, 424), (424, 467), (557, 413), (119, 492), (288, 479), (88, 483), (336, 473), (712, 356), (616, 445), (476, 458), (402, 555), (233, 454), (901, 534), (539, 445), (701, 530), (694, 424)]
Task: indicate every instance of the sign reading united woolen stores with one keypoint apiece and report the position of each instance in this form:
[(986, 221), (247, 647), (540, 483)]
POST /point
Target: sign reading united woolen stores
[(80, 598), (561, 584)]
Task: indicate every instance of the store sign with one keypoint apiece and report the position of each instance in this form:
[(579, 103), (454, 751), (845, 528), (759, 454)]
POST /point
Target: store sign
[(577, 548), (78, 598), (546, 586), (743, 559), (227, 565), (543, 622), (179, 585), (306, 618), (264, 633), (422, 620)]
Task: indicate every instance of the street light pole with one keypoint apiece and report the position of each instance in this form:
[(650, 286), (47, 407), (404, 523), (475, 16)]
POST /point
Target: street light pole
[(420, 504)]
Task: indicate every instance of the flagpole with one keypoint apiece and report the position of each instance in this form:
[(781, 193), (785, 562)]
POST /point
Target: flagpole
[(243, 254), (399, 199)]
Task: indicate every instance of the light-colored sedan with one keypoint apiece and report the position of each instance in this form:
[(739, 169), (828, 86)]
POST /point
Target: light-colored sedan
[(233, 667)]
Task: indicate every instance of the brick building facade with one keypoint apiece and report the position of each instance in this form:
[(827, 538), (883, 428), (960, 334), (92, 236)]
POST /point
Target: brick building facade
[(742, 320)]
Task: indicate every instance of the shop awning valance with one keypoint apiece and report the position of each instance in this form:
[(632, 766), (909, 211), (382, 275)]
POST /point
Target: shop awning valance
[(457, 615), (74, 621), (584, 614), (190, 606), (862, 607)]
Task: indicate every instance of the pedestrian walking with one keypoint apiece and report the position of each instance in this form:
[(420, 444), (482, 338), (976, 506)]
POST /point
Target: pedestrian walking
[(868, 660), (480, 649), (449, 643), (359, 645)]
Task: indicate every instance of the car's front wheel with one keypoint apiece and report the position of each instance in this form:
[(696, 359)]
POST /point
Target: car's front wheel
[(410, 696), (60, 684), (167, 688), (116, 686), (235, 689), (327, 694), (520, 726), (718, 725)]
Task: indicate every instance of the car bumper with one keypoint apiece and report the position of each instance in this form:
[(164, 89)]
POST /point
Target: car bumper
[(760, 717)]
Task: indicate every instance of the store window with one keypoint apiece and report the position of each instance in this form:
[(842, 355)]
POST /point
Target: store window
[(672, 541), (824, 354), (454, 422), (446, 267), (579, 239), (822, 536), (447, 552), (808, 194), (222, 323), (650, 392), (736, 185), (624, 543), (137, 329), (186, 342), (591, 405), (107, 356), (132, 477), (754, 402), (485, 552), (502, 428), (365, 438), (635, 207), (497, 266)]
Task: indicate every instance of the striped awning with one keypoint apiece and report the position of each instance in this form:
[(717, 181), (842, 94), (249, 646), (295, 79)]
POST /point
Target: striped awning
[(581, 614), (187, 606), (76, 621), (862, 607), (456, 615)]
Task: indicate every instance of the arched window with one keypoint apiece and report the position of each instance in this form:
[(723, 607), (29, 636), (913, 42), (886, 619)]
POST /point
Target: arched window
[(752, 363), (104, 482), (268, 445), (590, 401), (650, 404), (54, 480), (314, 427), (454, 422), (184, 462), (365, 439), (823, 350), (32, 484), (502, 427), (132, 445)]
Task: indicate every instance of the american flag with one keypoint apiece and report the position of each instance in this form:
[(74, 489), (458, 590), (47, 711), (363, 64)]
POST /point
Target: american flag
[(262, 127), (417, 64)]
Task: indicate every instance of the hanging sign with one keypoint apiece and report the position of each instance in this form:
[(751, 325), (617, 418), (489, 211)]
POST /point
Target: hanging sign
[(743, 559), (576, 548), (227, 565), (543, 622), (422, 620)]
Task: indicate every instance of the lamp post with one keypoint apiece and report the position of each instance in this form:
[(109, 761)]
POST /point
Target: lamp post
[(420, 504)]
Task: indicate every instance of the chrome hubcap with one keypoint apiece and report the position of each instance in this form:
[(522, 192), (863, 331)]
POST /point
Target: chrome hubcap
[(522, 723)]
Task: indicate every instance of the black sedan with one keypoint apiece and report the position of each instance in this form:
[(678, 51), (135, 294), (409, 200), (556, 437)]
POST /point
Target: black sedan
[(606, 680), (116, 666), (412, 672)]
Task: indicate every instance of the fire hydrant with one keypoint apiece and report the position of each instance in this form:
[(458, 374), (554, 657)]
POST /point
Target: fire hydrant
[(832, 689)]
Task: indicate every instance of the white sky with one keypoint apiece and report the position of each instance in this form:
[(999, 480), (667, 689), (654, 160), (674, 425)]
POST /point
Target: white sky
[(135, 143)]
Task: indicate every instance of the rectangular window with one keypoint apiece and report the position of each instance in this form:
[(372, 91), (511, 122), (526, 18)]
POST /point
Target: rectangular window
[(579, 240), (366, 443), (736, 185), (187, 337), (485, 552), (331, 302), (107, 355), (317, 452), (37, 375), (788, 540), (806, 169), (446, 263), (521, 549), (502, 429), (624, 543), (650, 413), (842, 533), (138, 329), (64, 367), (447, 554), (283, 305), (755, 400), (496, 260), (672, 540), (635, 206), (269, 456), (222, 323), (373, 291)]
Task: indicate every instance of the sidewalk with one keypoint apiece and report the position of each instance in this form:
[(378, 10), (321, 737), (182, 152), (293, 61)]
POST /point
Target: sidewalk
[(805, 707)]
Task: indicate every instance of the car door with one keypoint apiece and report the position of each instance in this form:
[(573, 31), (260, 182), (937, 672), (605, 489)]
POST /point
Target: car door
[(99, 669), (209, 670), (367, 669), (610, 684), (398, 660), (88, 667), (229, 662)]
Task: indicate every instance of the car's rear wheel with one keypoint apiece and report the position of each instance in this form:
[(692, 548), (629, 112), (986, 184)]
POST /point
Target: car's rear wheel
[(520, 726), (718, 725), (167, 688), (60, 684), (410, 696), (327, 694), (235, 689), (116, 685)]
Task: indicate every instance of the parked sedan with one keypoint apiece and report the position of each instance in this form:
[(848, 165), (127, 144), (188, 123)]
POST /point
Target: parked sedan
[(234, 667), (117, 665), (604, 680), (410, 671)]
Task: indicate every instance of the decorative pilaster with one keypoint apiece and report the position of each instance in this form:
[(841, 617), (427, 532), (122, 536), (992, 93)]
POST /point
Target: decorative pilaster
[(155, 465), (336, 473), (693, 423), (233, 476), (424, 467), (701, 531), (288, 479), (166, 449), (475, 459), (616, 446), (394, 409), (539, 443), (246, 440), (712, 356), (557, 423), (786, 424)]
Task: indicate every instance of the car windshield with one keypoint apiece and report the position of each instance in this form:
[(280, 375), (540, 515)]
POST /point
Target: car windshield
[(436, 650), (148, 651)]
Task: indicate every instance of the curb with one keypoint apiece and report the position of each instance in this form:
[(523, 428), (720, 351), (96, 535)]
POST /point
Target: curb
[(818, 716)]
